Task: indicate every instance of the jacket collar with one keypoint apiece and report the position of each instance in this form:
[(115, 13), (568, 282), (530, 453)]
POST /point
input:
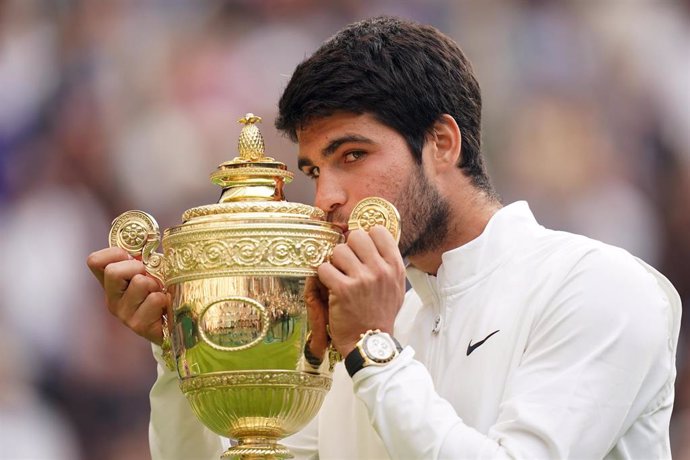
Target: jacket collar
[(463, 266)]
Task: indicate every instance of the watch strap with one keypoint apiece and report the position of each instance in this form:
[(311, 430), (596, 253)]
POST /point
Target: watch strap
[(354, 361)]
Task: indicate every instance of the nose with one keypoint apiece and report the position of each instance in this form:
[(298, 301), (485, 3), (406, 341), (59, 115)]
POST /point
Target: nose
[(330, 195)]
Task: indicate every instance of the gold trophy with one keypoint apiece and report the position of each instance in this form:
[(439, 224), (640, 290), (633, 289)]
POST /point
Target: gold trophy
[(236, 272)]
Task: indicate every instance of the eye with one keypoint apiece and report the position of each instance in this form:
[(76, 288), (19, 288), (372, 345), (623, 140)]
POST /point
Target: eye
[(312, 172), (354, 156)]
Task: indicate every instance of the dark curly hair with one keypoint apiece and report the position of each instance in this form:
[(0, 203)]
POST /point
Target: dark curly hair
[(404, 74)]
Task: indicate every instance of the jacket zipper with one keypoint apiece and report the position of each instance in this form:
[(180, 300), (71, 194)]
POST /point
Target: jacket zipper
[(433, 356)]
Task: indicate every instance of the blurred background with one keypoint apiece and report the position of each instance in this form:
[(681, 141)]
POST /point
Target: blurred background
[(109, 105)]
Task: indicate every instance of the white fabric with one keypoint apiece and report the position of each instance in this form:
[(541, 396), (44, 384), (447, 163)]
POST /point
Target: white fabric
[(582, 365)]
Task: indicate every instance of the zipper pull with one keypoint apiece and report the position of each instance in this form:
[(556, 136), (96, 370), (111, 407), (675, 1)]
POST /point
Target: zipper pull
[(437, 325)]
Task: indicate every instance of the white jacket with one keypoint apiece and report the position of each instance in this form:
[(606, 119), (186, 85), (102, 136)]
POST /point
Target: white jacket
[(530, 343)]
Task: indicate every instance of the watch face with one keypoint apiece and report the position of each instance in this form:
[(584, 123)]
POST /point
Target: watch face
[(379, 348)]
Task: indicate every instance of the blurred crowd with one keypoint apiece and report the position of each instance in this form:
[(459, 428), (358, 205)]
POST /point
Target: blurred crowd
[(109, 105)]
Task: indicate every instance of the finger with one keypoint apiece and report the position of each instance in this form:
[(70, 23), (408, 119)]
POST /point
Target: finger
[(316, 298), (316, 304), (363, 246), (117, 277), (147, 319), (318, 289), (386, 245), (315, 292), (97, 261), (345, 260), (331, 277), (136, 293), (318, 320)]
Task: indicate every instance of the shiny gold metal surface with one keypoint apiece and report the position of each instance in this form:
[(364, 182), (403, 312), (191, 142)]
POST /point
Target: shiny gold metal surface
[(236, 272), (375, 211), (137, 233)]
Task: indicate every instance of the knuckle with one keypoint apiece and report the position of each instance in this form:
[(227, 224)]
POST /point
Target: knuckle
[(92, 260), (340, 249), (158, 299), (349, 286), (378, 273), (338, 289), (138, 282), (370, 278), (110, 271)]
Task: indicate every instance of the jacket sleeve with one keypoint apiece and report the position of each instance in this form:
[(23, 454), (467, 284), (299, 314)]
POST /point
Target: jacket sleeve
[(600, 356), (176, 433)]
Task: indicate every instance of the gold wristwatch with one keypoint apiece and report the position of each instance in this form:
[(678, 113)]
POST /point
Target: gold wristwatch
[(374, 348)]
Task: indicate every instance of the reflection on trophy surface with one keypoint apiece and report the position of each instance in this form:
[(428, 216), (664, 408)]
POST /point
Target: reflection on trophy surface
[(236, 272)]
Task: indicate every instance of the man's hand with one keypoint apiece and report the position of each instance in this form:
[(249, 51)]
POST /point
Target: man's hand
[(316, 298), (131, 295), (366, 280)]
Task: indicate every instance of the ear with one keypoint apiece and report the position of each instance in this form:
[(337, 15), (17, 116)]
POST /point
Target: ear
[(445, 144)]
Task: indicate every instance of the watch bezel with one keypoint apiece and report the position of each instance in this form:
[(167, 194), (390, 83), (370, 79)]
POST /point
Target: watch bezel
[(384, 337)]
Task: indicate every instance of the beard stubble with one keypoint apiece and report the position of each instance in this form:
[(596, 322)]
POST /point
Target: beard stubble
[(425, 216)]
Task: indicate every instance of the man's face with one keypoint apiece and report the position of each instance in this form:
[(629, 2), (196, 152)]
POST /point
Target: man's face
[(352, 157)]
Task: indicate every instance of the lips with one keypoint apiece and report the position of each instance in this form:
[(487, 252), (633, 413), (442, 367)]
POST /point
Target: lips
[(338, 220), (343, 227)]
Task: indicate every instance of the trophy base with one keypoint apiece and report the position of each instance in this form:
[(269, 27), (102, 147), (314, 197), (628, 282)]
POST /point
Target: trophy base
[(252, 448), (256, 407)]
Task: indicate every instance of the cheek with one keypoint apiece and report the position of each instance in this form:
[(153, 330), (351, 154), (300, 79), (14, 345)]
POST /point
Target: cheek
[(385, 187), (388, 181), (363, 185)]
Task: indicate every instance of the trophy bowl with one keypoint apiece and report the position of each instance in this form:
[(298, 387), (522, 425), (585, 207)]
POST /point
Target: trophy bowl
[(237, 272)]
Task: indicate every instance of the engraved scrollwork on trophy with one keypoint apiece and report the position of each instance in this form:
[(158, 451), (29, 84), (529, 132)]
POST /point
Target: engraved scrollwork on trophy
[(313, 251), (227, 253), (233, 323), (297, 209), (281, 252), (186, 257), (318, 382), (214, 254), (248, 251)]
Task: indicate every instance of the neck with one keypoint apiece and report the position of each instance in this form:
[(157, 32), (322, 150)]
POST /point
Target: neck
[(469, 215)]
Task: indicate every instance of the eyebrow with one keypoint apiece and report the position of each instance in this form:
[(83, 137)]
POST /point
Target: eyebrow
[(333, 146)]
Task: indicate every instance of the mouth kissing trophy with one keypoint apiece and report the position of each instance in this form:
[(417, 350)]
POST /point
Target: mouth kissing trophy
[(236, 273)]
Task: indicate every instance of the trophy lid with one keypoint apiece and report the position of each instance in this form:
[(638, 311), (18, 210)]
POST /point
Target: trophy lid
[(252, 182)]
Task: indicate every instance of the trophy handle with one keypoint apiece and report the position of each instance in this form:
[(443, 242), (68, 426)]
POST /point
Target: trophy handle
[(137, 233)]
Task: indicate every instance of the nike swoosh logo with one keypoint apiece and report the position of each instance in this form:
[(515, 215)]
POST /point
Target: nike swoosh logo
[(471, 348)]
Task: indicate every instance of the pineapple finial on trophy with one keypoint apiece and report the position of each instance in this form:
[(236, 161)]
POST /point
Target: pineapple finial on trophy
[(252, 175), (251, 142)]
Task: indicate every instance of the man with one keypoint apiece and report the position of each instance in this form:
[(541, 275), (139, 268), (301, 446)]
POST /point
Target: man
[(518, 341)]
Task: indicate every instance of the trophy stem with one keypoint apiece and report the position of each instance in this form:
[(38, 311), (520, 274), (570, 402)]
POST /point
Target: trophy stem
[(257, 448)]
